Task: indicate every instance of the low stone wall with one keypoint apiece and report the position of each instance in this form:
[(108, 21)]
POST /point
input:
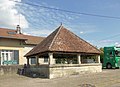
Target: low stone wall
[(67, 70), (10, 69), (40, 71), (56, 71)]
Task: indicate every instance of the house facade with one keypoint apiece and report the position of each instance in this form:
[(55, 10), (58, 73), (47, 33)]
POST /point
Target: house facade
[(14, 45)]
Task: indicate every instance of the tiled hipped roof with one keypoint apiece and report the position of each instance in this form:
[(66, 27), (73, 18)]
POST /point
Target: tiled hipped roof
[(11, 34), (63, 40)]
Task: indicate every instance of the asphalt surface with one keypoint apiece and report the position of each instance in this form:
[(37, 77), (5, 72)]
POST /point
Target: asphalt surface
[(107, 78)]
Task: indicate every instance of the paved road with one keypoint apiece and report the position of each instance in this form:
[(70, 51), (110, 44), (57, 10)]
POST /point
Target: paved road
[(107, 78)]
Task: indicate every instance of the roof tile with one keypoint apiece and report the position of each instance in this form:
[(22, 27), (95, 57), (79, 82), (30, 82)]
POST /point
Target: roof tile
[(9, 33), (63, 40)]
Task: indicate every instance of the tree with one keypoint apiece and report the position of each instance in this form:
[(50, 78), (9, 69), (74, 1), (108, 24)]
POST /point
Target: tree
[(101, 54)]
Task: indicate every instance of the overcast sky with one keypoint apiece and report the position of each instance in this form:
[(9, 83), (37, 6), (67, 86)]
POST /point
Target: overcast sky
[(39, 21)]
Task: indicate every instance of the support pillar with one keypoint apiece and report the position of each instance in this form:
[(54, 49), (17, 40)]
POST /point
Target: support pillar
[(50, 58), (1, 63), (28, 61), (79, 59), (37, 60), (99, 59)]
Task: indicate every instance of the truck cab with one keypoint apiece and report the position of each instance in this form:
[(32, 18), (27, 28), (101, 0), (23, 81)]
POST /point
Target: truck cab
[(111, 57)]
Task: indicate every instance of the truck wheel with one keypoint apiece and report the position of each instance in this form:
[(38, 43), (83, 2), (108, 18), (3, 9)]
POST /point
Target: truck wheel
[(109, 66)]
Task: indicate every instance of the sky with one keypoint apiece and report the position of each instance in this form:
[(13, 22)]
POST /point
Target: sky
[(38, 21)]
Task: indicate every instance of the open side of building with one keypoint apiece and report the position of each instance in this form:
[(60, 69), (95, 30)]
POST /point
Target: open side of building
[(63, 53)]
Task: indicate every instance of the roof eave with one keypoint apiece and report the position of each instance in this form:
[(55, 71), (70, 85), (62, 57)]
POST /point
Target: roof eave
[(64, 52), (13, 38)]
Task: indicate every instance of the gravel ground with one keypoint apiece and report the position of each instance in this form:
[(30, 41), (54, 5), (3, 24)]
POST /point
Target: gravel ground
[(107, 78)]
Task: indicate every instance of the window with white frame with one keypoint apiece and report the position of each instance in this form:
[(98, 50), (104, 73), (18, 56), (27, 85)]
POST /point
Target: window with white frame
[(8, 57)]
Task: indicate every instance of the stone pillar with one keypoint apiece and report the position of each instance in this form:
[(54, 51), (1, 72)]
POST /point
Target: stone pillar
[(50, 58), (99, 59), (79, 59), (37, 60), (28, 61), (1, 63)]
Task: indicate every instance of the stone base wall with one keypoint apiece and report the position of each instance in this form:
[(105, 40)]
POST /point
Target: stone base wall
[(40, 71), (54, 71), (67, 70), (13, 69)]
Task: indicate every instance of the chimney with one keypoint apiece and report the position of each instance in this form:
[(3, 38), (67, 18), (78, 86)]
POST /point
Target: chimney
[(18, 30)]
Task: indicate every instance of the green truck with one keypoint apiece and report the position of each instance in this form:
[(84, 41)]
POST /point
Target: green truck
[(111, 57)]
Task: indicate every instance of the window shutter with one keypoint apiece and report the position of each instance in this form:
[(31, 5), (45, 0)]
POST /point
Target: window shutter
[(0, 57), (16, 56)]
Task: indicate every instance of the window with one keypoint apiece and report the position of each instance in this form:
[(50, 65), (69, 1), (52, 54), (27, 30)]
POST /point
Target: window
[(111, 54), (45, 60), (33, 60), (8, 57), (117, 53), (12, 33)]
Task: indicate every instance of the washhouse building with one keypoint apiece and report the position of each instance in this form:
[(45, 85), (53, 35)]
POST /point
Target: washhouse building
[(63, 53)]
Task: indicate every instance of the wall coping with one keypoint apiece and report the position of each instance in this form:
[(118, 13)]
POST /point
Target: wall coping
[(74, 65)]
